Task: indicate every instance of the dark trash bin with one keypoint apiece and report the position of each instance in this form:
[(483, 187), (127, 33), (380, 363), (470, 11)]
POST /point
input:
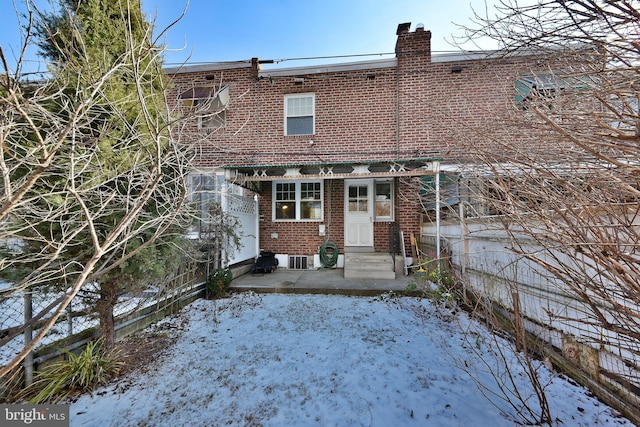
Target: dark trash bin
[(266, 263)]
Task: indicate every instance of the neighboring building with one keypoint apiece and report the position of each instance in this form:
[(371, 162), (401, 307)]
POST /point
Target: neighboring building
[(338, 152)]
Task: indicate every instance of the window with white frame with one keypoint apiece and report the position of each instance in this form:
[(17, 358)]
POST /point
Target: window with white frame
[(297, 201), (299, 114), (545, 88), (208, 104), (384, 200), (205, 190)]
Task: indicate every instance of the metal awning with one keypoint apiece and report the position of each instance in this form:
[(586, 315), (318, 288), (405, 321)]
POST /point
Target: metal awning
[(250, 176), (347, 170)]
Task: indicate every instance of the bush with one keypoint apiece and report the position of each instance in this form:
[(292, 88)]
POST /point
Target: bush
[(78, 373), (219, 281), (434, 283), (442, 277)]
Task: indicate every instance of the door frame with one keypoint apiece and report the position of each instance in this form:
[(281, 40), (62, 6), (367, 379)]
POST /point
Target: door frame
[(359, 220)]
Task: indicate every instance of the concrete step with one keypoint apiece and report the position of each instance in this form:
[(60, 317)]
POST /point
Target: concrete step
[(368, 266)]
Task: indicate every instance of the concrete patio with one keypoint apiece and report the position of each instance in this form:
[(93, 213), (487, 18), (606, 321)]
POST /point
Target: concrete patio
[(324, 280)]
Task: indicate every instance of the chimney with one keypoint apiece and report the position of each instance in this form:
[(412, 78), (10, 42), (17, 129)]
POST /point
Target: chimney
[(413, 47)]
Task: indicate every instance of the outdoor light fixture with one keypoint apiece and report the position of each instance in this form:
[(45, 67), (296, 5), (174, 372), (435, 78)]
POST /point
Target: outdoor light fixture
[(456, 69), (298, 80)]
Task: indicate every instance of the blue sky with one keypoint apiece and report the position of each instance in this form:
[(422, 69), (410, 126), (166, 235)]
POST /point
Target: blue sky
[(223, 30)]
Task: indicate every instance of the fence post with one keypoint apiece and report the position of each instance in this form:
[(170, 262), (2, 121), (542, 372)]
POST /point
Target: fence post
[(28, 336), (519, 333), (464, 258), (69, 320)]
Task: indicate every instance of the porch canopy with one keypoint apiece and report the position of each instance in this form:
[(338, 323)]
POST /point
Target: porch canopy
[(251, 176), (245, 175)]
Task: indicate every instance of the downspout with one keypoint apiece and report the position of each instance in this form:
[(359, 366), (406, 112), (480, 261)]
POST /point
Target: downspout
[(256, 206), (437, 172), (256, 132), (397, 107)]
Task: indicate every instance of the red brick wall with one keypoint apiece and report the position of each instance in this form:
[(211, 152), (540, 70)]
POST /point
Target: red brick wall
[(298, 237), (302, 238), (417, 109)]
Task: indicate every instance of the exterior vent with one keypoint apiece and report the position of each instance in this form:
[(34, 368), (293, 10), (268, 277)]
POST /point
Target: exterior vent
[(298, 262)]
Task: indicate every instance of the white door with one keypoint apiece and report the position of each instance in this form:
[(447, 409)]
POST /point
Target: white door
[(358, 212)]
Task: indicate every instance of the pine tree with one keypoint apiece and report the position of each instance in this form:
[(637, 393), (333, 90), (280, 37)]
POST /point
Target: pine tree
[(109, 206)]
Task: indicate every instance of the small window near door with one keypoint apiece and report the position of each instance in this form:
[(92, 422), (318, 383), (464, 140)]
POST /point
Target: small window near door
[(384, 200)]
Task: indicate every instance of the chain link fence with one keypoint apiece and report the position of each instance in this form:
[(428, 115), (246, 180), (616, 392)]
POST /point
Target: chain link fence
[(23, 313)]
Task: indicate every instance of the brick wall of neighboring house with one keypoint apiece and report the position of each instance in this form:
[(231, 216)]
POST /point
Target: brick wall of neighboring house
[(418, 106)]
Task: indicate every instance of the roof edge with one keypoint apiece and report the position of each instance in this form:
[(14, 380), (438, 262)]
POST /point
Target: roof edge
[(207, 66)]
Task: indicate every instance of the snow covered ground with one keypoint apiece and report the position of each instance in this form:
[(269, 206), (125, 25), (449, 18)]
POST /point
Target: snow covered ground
[(325, 360)]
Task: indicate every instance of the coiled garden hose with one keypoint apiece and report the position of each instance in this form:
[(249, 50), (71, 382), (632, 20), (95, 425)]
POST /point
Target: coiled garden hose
[(328, 254)]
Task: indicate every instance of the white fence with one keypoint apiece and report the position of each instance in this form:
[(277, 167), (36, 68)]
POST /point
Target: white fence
[(480, 254), (245, 210)]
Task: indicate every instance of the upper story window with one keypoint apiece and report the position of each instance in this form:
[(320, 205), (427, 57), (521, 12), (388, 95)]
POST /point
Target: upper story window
[(544, 89), (297, 201), (532, 88), (208, 104), (299, 114)]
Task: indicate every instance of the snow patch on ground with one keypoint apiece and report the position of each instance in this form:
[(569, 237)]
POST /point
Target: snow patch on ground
[(323, 360)]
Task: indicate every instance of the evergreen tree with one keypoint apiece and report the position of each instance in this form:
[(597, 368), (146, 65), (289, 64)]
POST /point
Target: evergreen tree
[(108, 206), (111, 31)]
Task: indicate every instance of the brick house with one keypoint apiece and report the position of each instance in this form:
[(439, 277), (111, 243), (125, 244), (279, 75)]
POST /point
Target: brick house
[(336, 153)]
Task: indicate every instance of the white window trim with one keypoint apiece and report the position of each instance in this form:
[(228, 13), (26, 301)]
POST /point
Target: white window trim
[(222, 117), (313, 112), (196, 104), (391, 217), (298, 189)]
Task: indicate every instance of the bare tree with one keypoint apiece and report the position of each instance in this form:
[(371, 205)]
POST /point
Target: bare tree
[(82, 195), (563, 163)]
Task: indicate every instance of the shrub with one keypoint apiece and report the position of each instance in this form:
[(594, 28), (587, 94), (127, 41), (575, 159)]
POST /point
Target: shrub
[(219, 281), (437, 284), (92, 368), (441, 277)]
